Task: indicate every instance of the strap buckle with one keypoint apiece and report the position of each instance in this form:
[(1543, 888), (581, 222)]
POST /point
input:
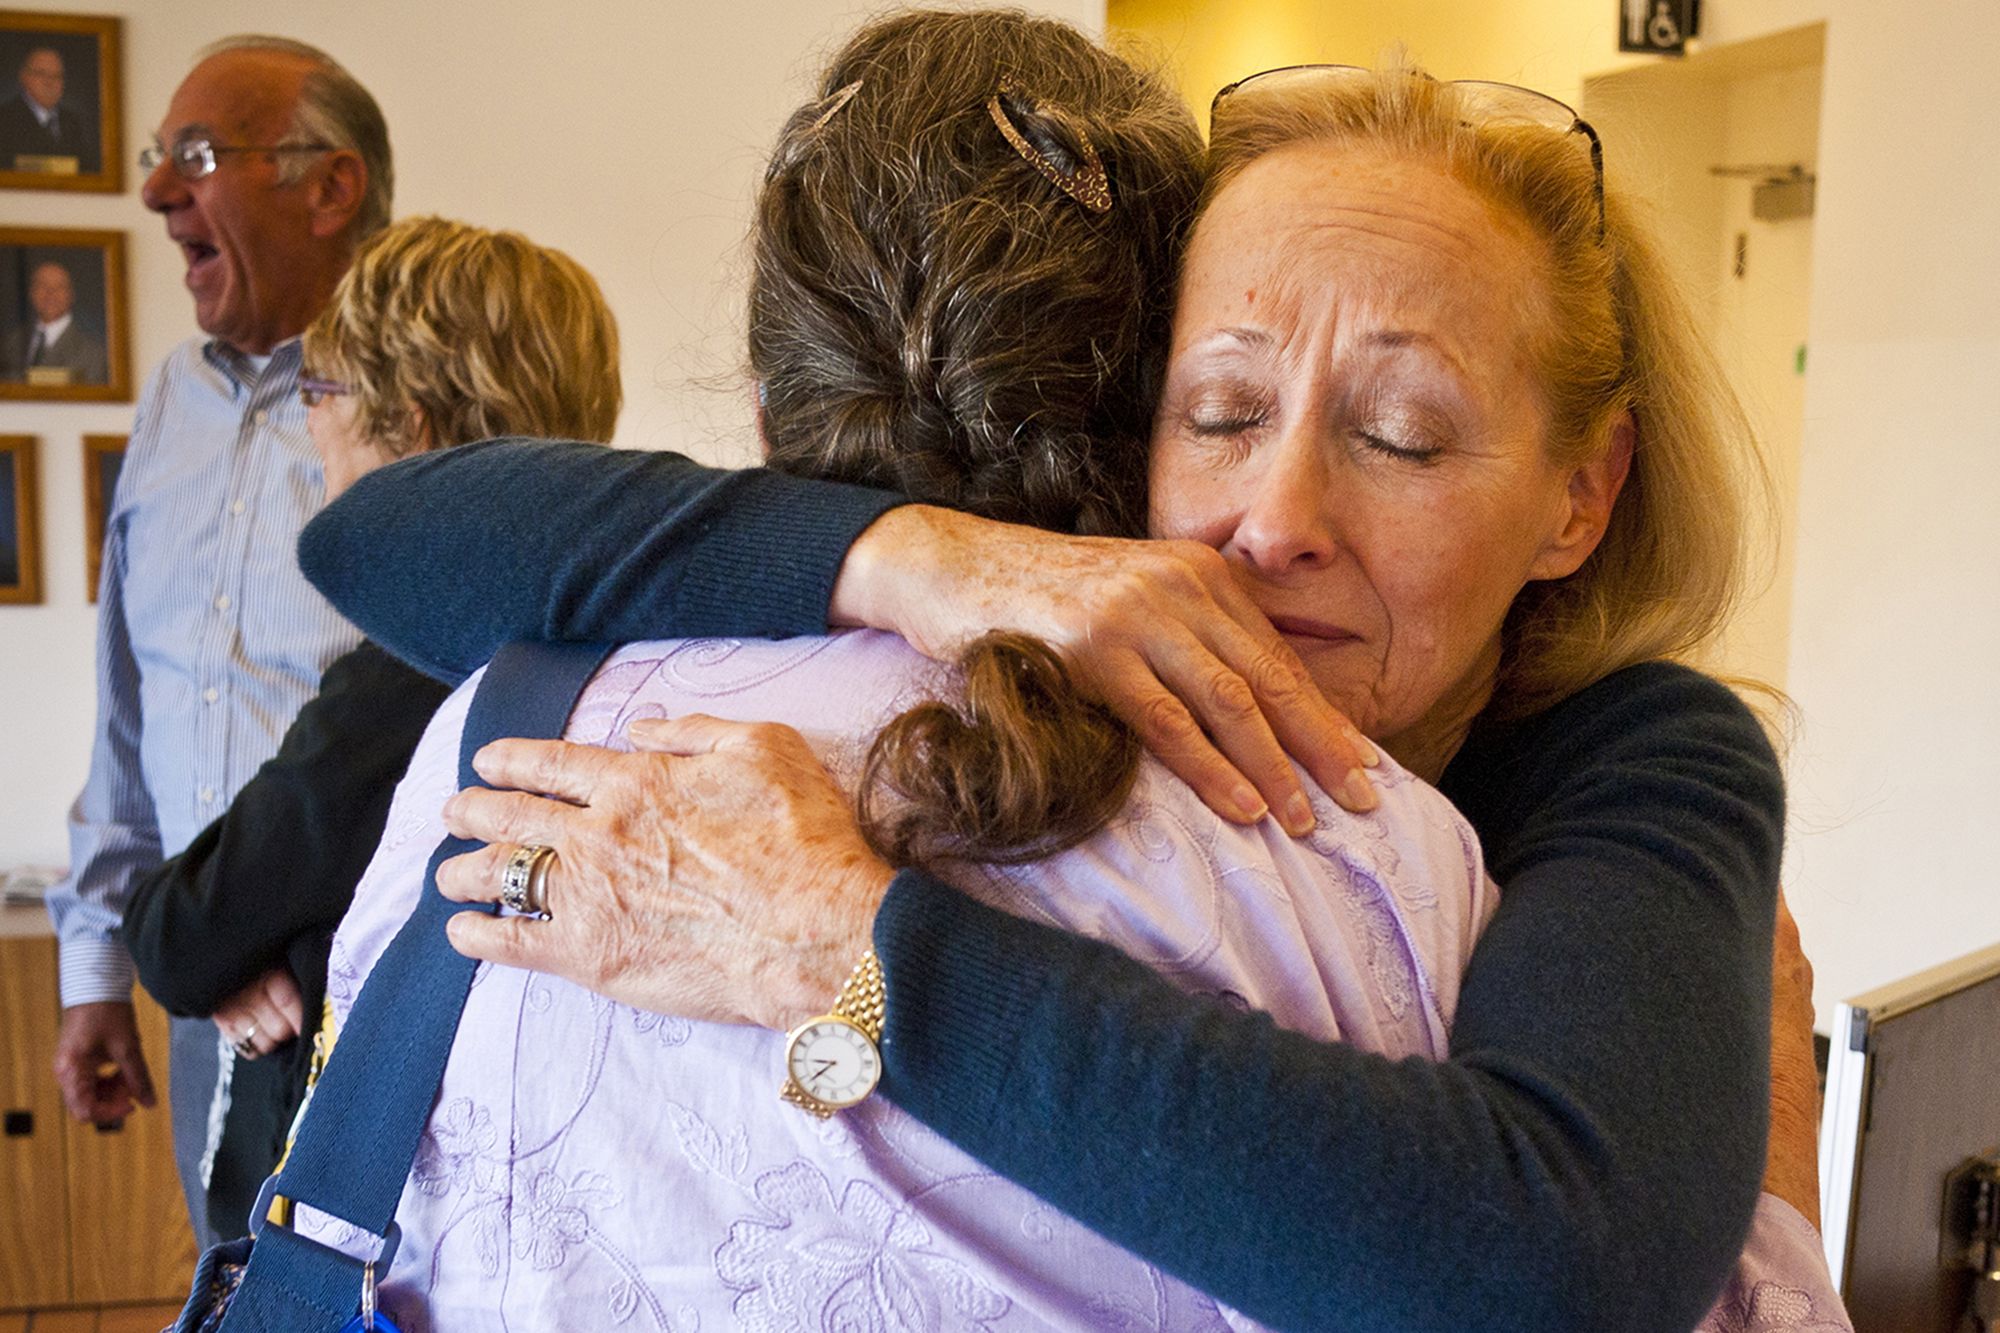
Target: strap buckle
[(269, 1200)]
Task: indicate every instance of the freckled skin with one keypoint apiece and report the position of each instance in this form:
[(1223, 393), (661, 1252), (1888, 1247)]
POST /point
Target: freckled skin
[(1352, 415), (652, 912)]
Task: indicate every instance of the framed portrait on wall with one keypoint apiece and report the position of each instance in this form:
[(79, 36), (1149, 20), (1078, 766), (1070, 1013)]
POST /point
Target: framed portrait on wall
[(60, 124), (20, 529), (62, 315), (103, 456)]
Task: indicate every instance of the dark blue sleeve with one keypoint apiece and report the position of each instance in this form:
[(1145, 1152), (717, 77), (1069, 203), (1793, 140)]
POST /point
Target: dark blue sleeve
[(443, 557), (1587, 1159)]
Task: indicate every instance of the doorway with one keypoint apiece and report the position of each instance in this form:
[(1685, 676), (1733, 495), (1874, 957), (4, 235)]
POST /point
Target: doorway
[(1724, 147)]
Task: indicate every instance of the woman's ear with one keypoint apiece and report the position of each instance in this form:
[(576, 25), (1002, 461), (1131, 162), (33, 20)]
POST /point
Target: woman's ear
[(1591, 494), (422, 437)]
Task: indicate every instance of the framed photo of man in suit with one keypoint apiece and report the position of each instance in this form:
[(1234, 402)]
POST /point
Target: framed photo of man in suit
[(20, 533), (103, 457), (60, 127), (62, 315)]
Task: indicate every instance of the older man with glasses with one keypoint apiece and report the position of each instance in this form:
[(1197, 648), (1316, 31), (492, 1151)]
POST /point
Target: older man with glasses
[(271, 164)]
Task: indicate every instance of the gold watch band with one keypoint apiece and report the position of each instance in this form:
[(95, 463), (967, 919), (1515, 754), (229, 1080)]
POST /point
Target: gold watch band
[(863, 1001)]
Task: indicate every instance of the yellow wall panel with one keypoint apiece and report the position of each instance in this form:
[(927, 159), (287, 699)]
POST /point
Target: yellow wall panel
[(1545, 44)]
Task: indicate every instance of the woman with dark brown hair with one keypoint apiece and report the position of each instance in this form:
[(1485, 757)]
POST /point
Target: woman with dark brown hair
[(1312, 1183)]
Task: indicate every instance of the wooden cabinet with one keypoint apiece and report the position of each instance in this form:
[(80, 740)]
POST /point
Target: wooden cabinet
[(34, 1190), (87, 1217)]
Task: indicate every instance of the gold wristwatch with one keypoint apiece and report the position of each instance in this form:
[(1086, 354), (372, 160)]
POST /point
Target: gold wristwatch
[(834, 1061)]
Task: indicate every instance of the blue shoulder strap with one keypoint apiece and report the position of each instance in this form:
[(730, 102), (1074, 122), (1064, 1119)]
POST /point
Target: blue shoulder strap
[(360, 1135)]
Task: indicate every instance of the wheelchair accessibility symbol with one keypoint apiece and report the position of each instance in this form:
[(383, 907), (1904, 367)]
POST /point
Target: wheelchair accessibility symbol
[(1656, 27)]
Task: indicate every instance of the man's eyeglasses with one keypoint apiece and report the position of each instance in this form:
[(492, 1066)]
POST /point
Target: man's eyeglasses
[(314, 391), (1488, 103), (194, 155)]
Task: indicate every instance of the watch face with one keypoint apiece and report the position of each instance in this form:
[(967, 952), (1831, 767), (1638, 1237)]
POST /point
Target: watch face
[(834, 1061)]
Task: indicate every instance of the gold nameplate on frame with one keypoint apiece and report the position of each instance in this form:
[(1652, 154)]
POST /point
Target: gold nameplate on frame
[(48, 377), (47, 165)]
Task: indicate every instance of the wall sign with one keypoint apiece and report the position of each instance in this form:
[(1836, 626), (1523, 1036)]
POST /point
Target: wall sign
[(1657, 27)]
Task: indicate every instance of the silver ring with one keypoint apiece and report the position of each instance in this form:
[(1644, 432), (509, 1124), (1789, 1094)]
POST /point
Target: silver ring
[(525, 880), (538, 882)]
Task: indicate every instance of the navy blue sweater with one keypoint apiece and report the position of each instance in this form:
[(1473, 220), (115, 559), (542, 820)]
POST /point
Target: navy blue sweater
[(1586, 1159)]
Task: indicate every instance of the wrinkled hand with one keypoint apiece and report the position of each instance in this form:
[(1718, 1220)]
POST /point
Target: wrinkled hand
[(269, 1011), (1792, 1167), (99, 1066), (717, 873), (1160, 631)]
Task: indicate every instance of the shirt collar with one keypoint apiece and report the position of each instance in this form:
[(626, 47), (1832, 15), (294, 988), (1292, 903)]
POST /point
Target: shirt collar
[(242, 370), (55, 328)]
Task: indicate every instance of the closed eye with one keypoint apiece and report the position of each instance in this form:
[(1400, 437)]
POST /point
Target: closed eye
[(1409, 453), (1233, 424)]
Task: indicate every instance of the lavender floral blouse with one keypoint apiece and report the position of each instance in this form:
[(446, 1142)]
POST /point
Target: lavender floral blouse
[(589, 1165)]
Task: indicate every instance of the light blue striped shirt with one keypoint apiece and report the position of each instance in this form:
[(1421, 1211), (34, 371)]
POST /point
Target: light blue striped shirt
[(208, 640)]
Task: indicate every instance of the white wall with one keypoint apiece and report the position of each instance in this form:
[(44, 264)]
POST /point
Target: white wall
[(1896, 597), (1895, 584), (627, 132), (1895, 560)]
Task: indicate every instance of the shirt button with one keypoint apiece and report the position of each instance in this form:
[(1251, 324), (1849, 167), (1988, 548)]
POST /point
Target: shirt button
[(263, 417), (238, 507), (208, 795), (222, 602), (210, 695)]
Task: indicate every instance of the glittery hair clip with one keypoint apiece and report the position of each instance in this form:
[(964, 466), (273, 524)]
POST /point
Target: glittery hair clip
[(841, 97), (1087, 184), (793, 148)]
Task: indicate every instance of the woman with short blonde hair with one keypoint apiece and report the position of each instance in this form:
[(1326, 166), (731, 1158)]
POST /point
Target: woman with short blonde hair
[(450, 333)]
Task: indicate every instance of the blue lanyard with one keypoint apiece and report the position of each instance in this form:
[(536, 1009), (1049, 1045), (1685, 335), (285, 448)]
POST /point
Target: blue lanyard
[(360, 1135)]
